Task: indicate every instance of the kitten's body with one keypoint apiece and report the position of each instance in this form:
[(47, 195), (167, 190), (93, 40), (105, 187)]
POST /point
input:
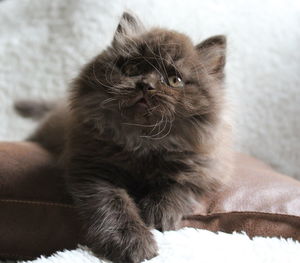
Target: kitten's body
[(139, 152)]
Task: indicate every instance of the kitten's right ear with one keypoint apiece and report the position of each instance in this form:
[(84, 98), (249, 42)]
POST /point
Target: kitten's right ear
[(129, 26), (212, 53)]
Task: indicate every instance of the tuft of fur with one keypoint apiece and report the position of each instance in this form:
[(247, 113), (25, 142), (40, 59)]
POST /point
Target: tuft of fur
[(33, 109), (144, 135)]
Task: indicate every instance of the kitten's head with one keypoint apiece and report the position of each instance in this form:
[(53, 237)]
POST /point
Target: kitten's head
[(151, 85)]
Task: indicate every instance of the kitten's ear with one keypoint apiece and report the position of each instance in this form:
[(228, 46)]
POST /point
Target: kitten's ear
[(212, 52), (129, 26)]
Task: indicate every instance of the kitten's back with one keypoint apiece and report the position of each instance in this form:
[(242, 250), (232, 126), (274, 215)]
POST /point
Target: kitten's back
[(33, 109), (53, 117)]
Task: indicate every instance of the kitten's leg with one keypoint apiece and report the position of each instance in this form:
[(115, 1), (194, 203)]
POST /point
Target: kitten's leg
[(114, 228), (164, 209)]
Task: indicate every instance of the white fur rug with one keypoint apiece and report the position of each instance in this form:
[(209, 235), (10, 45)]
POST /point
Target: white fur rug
[(200, 246), (43, 43)]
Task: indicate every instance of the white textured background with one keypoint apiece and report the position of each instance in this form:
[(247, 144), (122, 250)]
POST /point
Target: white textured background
[(43, 43)]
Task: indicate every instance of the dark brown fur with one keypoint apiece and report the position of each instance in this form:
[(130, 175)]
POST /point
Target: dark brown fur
[(132, 167)]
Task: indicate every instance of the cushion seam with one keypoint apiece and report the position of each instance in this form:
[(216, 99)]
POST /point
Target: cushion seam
[(188, 216), (15, 256), (36, 203), (242, 212)]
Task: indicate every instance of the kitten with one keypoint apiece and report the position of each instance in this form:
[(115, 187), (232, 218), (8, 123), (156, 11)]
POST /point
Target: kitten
[(142, 136)]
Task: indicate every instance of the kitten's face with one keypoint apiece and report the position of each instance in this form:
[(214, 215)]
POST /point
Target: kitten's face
[(155, 79), (150, 80)]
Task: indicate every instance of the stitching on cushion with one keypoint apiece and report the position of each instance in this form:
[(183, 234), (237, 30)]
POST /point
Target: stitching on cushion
[(242, 213), (186, 217), (15, 256), (36, 203)]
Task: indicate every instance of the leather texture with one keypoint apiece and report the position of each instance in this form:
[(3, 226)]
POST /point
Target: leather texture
[(257, 200), (37, 216)]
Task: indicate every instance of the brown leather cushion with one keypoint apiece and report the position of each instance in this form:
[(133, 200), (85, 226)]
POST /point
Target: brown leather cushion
[(37, 216)]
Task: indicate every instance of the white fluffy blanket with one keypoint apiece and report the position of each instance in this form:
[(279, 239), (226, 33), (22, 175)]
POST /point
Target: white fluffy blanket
[(43, 43), (200, 246)]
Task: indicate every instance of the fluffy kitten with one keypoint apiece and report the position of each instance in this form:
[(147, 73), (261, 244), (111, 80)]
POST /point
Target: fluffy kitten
[(143, 136)]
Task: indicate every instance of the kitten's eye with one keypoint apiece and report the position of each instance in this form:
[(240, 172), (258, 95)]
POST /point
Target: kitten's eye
[(175, 82)]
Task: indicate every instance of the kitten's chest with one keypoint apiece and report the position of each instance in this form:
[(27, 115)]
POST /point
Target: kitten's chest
[(142, 172), (145, 168), (151, 172), (145, 175)]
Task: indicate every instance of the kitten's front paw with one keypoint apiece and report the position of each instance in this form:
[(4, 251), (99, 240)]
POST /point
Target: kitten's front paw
[(131, 246), (163, 217), (143, 247)]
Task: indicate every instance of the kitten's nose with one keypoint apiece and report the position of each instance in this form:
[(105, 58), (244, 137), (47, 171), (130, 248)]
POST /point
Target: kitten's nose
[(143, 85)]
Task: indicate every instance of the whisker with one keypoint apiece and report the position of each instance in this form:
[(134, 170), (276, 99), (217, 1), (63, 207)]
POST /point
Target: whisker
[(162, 62), (138, 125), (168, 132)]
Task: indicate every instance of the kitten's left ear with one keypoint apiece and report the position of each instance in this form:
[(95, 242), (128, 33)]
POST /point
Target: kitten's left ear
[(212, 52), (129, 26)]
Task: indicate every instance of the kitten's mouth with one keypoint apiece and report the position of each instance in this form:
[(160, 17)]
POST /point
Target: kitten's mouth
[(140, 101)]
